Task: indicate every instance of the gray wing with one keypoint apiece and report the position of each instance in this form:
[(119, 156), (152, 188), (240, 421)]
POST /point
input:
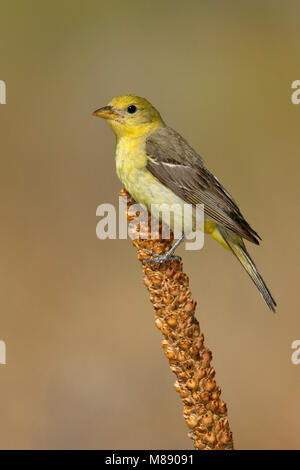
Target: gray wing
[(176, 165)]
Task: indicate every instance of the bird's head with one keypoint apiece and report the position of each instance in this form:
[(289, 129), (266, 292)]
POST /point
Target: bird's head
[(130, 116)]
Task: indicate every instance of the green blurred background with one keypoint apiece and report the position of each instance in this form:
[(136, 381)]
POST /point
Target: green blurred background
[(84, 364)]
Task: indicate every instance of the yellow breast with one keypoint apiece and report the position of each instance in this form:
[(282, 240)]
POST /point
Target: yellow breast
[(130, 157), (131, 161)]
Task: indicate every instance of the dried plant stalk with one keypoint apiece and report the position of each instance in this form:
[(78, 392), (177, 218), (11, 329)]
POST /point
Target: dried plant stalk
[(183, 343)]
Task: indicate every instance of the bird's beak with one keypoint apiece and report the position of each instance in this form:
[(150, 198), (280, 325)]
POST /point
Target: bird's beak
[(107, 112)]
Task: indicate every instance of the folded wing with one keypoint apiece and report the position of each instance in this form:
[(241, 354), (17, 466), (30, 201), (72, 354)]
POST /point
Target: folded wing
[(176, 165)]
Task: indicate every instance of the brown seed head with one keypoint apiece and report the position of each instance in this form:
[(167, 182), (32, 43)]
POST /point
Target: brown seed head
[(192, 421), (222, 407), (172, 321), (207, 420), (209, 384), (210, 437), (192, 384), (170, 352)]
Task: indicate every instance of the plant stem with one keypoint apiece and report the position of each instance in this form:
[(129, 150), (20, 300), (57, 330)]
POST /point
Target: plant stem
[(183, 342)]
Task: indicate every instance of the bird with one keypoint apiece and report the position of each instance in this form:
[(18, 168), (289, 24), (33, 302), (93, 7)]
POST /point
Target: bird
[(157, 165)]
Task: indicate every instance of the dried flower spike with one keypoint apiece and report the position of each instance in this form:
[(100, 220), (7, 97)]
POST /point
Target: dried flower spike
[(183, 343)]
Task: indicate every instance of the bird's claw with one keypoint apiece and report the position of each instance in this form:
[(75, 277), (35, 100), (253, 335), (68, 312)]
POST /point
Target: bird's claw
[(159, 259)]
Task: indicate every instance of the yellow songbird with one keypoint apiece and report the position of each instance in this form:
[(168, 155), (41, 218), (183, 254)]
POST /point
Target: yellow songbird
[(157, 166)]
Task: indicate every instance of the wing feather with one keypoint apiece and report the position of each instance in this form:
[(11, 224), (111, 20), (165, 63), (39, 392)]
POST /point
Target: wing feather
[(176, 165)]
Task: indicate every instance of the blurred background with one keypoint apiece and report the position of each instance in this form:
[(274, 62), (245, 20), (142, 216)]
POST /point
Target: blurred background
[(85, 368)]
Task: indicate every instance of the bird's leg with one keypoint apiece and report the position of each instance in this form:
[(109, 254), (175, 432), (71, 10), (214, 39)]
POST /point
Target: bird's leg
[(159, 259)]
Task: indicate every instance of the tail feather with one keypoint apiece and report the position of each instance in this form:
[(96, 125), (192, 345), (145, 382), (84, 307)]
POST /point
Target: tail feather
[(239, 250)]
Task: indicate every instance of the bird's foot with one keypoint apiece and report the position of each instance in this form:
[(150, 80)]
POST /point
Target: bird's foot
[(160, 259)]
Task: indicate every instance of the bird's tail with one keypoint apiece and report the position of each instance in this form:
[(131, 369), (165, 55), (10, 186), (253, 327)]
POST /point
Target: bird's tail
[(239, 250)]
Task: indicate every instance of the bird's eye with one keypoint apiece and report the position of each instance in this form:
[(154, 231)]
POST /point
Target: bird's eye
[(131, 109)]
